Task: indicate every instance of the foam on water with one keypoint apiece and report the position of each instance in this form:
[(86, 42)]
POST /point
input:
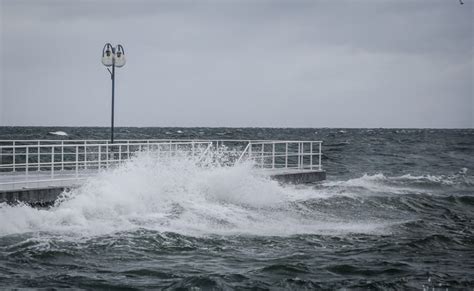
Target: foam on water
[(404, 184), (181, 194), (60, 133)]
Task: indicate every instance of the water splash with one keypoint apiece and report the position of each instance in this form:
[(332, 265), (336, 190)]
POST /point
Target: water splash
[(182, 194)]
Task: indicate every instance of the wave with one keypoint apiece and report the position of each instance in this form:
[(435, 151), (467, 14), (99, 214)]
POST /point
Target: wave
[(59, 133), (183, 195), (404, 184)]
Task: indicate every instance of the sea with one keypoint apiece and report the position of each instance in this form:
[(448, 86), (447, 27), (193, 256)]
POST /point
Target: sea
[(395, 213)]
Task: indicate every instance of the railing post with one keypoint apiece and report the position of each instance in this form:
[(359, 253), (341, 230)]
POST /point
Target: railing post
[(311, 155), (62, 155), (39, 156), (320, 155), (85, 156), (52, 162), (77, 161), (128, 149), (14, 157), (273, 155), (286, 155), (262, 154), (120, 153), (100, 156), (298, 157), (26, 160), (302, 156), (107, 155), (250, 150)]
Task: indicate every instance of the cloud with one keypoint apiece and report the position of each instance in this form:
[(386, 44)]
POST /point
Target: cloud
[(240, 63)]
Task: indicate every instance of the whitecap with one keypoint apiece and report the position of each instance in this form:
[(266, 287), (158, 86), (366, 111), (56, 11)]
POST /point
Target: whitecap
[(60, 133)]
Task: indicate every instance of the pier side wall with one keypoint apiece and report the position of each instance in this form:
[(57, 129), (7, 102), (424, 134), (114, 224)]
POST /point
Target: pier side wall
[(33, 196), (47, 195), (300, 177)]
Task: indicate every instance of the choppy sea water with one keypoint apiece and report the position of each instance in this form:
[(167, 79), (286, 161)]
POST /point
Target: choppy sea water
[(396, 212)]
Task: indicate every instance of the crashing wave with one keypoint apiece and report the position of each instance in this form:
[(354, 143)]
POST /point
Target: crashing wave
[(186, 196)]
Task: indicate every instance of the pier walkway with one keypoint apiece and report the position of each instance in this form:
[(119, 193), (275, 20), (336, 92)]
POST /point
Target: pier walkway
[(37, 171)]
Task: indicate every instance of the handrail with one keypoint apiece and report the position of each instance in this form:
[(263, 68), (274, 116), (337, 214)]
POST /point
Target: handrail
[(117, 141), (99, 144)]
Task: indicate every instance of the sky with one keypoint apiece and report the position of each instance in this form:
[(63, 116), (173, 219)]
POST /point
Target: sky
[(236, 63)]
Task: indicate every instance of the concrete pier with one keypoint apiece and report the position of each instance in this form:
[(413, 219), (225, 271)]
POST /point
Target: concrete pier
[(33, 196), (38, 171), (48, 193), (297, 176)]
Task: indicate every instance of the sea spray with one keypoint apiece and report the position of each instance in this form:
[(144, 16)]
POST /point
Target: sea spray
[(183, 194)]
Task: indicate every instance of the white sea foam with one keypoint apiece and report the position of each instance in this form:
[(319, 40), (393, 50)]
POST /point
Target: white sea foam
[(404, 184), (367, 185), (182, 195), (60, 133)]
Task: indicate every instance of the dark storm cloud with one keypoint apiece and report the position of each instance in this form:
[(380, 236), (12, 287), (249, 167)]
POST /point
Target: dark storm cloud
[(240, 63)]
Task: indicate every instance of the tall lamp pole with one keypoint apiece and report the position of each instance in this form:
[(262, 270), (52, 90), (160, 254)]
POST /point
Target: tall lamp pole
[(113, 57)]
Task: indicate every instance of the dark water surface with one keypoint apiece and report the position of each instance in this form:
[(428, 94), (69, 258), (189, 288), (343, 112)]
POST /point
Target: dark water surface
[(396, 212)]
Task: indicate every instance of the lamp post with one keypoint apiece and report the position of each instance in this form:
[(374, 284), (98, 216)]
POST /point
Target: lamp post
[(113, 57)]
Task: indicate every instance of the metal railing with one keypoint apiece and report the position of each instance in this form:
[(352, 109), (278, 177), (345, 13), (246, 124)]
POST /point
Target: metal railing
[(9, 142), (284, 154), (52, 157), (23, 162)]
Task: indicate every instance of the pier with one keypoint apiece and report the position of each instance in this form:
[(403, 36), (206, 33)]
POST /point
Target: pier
[(38, 171)]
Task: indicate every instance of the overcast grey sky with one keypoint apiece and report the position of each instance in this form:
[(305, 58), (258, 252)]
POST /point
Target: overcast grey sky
[(378, 63)]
